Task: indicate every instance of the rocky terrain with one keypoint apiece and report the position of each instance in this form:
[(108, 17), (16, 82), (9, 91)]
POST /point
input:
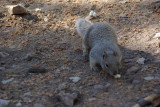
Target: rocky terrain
[(41, 63)]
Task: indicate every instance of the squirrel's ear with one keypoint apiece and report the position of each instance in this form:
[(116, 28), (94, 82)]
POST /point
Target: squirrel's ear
[(115, 53), (104, 55)]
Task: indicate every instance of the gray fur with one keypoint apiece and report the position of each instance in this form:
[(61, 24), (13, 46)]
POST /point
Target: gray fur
[(100, 43), (82, 26)]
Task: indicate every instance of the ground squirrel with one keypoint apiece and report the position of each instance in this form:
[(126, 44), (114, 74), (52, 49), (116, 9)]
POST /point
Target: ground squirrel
[(100, 43)]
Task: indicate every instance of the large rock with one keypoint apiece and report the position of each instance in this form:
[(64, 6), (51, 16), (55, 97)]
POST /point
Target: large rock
[(16, 9)]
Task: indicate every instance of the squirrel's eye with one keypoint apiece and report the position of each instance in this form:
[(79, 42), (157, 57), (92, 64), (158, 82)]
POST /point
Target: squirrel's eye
[(107, 65)]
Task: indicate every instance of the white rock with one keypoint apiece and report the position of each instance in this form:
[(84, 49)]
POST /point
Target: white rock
[(38, 10), (3, 103), (157, 35), (140, 60), (18, 104), (157, 52), (45, 19), (149, 78), (7, 81), (123, 2), (92, 13), (16, 9), (75, 79), (122, 15), (117, 76)]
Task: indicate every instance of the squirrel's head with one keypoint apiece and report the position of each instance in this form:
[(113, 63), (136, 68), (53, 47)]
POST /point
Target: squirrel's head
[(111, 62)]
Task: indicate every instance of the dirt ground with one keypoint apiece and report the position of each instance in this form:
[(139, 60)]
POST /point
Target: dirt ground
[(48, 40)]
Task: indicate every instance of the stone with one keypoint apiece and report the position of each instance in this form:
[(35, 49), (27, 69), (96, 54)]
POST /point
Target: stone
[(135, 81), (7, 81), (68, 98), (16, 9), (27, 94), (122, 15), (157, 52), (117, 76), (102, 87), (140, 60), (157, 35), (132, 70), (38, 105), (18, 104), (123, 1), (149, 78), (46, 19), (3, 54), (38, 10), (92, 13), (75, 79), (2, 68), (3, 103)]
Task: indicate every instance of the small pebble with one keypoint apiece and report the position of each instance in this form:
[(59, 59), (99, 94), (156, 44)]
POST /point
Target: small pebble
[(135, 81), (122, 15), (38, 10), (92, 13), (75, 79), (7, 81), (117, 76), (18, 104), (132, 70), (149, 78), (140, 60), (45, 19), (157, 35), (3, 54)]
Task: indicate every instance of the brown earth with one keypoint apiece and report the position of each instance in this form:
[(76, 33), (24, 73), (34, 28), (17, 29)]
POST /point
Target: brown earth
[(48, 39)]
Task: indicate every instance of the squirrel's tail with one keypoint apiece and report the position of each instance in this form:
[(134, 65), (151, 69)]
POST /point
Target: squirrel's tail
[(82, 26)]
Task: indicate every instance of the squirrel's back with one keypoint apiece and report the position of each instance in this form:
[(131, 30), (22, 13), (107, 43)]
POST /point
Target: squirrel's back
[(100, 33)]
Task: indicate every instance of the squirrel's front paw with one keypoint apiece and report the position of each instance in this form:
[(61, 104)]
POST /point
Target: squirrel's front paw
[(95, 69)]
